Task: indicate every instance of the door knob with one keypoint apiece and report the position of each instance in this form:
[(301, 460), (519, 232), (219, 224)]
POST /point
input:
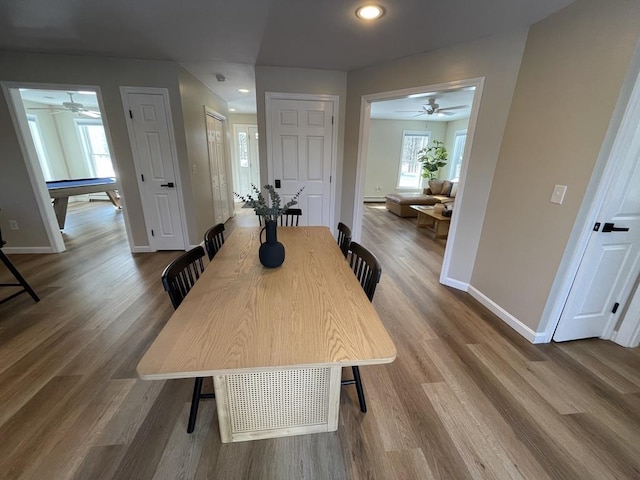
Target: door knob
[(170, 185), (609, 227)]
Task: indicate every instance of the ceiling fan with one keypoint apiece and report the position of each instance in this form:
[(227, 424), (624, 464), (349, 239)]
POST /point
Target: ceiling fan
[(70, 106), (432, 107)]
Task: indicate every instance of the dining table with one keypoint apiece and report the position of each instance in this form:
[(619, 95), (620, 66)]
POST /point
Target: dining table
[(274, 340)]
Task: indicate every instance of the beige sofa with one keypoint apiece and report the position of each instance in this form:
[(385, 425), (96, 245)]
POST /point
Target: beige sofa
[(400, 203)]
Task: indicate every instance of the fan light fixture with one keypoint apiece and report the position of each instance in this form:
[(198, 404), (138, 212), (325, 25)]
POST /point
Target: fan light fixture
[(369, 12), (243, 90)]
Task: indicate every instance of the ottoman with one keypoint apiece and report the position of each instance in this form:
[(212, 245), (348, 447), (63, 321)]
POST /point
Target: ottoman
[(399, 203)]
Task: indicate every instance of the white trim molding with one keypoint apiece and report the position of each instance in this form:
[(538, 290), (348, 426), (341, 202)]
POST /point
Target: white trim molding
[(453, 283), (142, 249), (506, 317)]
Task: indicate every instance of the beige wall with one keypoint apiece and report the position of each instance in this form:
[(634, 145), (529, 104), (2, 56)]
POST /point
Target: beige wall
[(16, 197), (199, 198), (301, 80), (572, 69), (243, 118), (497, 59), (384, 152)]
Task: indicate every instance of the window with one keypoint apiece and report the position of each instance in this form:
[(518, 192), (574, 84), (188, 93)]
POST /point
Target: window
[(40, 150), (94, 144), (410, 175), (458, 152), (243, 151)]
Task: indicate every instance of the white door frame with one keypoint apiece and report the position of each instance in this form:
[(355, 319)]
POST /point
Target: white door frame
[(227, 155), (626, 115), (361, 167), (334, 99), (124, 91), (38, 184)]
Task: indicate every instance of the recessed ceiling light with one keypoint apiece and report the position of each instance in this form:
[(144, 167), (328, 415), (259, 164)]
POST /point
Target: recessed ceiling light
[(243, 90), (369, 12), (232, 109), (86, 92)]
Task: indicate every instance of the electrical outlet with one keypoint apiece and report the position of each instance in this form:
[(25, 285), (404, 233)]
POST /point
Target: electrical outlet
[(13, 225), (378, 188), (194, 169)]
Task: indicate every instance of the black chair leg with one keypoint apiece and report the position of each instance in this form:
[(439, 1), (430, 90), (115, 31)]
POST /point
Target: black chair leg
[(356, 377), (195, 400), (26, 287)]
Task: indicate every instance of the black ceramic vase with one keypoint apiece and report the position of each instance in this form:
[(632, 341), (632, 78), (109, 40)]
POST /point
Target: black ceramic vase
[(271, 251)]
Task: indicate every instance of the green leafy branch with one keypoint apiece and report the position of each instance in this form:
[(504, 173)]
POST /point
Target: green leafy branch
[(269, 211), (433, 158)]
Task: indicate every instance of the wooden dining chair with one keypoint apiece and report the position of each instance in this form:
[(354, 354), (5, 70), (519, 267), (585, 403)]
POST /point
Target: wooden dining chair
[(178, 278), (368, 271), (290, 217), (213, 239), (344, 238)]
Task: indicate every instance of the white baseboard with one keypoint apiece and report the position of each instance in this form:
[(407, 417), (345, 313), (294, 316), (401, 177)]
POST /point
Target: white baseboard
[(458, 285), (27, 250), (373, 199), (506, 317), (141, 249)]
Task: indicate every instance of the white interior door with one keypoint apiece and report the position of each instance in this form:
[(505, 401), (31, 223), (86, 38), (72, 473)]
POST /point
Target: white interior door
[(156, 164), (217, 165), (611, 262), (301, 149)]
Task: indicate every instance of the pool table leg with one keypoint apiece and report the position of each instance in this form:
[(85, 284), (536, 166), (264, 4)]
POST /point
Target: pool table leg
[(60, 207), (115, 199)]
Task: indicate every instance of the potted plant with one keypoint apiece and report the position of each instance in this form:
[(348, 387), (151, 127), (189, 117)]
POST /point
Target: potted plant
[(271, 252), (433, 159)]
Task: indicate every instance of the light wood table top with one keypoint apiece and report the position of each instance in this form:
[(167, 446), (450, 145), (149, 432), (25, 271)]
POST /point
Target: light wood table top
[(242, 317)]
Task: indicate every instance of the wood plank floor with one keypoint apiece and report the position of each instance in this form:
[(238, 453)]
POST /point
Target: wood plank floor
[(466, 398)]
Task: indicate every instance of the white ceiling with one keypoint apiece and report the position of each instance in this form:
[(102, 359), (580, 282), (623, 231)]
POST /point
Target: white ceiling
[(230, 37), (57, 97)]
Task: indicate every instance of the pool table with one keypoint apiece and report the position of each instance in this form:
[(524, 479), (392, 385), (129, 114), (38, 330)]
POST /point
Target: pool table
[(61, 190)]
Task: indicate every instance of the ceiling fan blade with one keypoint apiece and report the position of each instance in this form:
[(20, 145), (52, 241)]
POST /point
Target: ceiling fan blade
[(44, 108), (408, 111), (421, 113), (90, 113), (457, 107)]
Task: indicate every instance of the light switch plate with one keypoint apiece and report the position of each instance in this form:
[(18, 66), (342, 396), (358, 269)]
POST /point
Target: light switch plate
[(558, 194)]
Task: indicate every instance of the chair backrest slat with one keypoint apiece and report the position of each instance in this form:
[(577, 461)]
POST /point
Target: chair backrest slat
[(214, 239), (290, 217), (366, 268), (344, 238), (181, 275)]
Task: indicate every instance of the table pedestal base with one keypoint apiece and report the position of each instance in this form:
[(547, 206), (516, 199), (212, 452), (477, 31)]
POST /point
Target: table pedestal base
[(270, 404)]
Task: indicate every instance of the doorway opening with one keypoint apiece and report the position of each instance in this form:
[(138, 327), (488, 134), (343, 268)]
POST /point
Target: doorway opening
[(396, 128), (67, 150), (246, 161)]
